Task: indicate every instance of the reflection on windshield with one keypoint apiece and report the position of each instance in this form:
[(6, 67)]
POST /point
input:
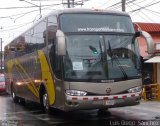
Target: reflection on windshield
[(117, 60), (98, 57)]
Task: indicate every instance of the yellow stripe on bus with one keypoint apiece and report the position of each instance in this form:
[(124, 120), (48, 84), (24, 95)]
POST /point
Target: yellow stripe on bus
[(30, 85), (46, 75), (10, 66)]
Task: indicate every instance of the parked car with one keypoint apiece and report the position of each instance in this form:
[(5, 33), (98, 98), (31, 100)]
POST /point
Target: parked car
[(2, 83)]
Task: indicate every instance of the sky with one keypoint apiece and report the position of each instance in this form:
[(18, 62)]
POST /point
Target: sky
[(16, 16)]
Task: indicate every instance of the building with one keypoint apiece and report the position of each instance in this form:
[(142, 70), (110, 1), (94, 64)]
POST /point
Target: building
[(150, 64)]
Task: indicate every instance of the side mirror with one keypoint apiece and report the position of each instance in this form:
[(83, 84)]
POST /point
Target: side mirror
[(149, 41), (61, 46)]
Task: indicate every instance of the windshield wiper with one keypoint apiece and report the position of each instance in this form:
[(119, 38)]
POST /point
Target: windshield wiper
[(105, 64), (101, 52), (117, 61), (104, 57), (110, 52)]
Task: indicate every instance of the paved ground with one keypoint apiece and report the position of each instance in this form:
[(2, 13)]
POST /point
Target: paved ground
[(147, 110), (12, 114), (31, 115)]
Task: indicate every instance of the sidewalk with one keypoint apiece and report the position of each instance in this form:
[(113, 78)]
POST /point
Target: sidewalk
[(146, 110)]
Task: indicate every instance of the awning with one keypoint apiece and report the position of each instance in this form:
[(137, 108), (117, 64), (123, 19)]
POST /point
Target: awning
[(155, 59)]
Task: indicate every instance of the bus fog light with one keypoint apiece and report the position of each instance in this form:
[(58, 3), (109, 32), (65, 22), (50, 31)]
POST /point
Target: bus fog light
[(76, 93), (135, 89)]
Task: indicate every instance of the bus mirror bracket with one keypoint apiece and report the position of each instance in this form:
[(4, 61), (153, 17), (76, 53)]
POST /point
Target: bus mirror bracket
[(61, 47), (137, 34), (149, 41)]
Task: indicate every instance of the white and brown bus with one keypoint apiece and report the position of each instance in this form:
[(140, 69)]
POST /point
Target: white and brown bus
[(77, 59)]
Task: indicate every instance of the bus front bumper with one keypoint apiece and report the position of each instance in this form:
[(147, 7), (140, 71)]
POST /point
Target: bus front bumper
[(101, 102)]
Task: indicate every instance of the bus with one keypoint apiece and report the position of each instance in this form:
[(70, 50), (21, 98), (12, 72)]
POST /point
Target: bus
[(77, 59)]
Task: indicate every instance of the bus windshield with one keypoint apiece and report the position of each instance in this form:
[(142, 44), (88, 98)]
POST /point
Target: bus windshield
[(101, 57), (96, 23)]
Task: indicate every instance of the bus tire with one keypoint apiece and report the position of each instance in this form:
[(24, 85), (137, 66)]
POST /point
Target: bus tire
[(44, 101), (14, 97), (22, 101)]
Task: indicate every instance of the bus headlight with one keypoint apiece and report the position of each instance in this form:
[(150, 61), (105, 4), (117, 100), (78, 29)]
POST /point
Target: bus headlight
[(135, 89), (76, 93)]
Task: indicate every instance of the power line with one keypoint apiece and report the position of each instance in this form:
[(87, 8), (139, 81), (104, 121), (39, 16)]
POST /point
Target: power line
[(148, 18), (127, 3), (7, 8), (29, 11), (133, 2), (114, 5), (21, 25), (16, 27), (16, 14), (137, 13), (143, 7), (23, 14), (147, 9), (118, 5)]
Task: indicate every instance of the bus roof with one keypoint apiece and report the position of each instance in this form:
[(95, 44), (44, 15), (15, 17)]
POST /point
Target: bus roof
[(76, 11), (82, 10)]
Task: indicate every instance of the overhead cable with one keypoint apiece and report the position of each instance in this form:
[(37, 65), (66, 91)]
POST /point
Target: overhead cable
[(143, 7), (6, 8)]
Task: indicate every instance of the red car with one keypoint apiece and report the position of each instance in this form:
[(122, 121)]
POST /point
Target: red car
[(2, 83)]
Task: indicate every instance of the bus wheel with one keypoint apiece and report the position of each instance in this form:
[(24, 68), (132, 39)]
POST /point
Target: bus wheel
[(46, 106), (22, 101), (14, 97)]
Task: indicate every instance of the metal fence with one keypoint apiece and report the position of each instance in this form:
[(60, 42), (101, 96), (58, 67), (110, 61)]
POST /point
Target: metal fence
[(151, 92)]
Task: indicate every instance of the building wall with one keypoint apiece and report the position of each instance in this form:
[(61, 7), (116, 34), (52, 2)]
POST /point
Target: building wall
[(150, 68), (143, 45)]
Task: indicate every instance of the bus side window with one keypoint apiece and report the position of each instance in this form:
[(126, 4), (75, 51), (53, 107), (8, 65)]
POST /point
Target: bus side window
[(38, 37), (52, 28), (55, 60), (12, 52)]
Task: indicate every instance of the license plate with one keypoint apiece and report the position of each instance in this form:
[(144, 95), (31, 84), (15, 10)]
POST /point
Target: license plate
[(109, 102)]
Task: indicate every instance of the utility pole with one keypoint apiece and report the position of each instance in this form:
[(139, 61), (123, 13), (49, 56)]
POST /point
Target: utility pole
[(40, 10), (123, 5), (72, 3), (68, 3)]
